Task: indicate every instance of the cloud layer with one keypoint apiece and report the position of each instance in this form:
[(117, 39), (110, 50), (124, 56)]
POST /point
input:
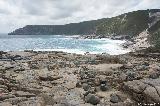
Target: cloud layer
[(18, 13)]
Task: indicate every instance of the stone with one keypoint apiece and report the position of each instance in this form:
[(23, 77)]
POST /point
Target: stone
[(18, 68), (130, 75), (78, 84), (154, 75), (122, 76), (145, 90), (2, 81), (6, 96), (86, 87), (16, 100), (97, 81), (24, 94), (33, 90), (5, 104), (91, 98), (49, 77), (104, 87), (115, 98)]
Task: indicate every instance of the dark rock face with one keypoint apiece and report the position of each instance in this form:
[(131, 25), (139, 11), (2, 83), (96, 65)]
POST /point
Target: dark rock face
[(104, 87), (147, 90), (91, 98)]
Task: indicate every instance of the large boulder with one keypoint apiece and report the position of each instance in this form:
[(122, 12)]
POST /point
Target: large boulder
[(91, 98), (146, 90)]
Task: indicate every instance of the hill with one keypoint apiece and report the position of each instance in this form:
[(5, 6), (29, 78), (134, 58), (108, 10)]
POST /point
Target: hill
[(132, 24)]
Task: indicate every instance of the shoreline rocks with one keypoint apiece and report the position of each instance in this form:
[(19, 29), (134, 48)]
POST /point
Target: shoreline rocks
[(57, 78)]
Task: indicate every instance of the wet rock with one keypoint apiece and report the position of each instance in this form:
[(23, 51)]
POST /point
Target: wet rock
[(104, 87), (17, 57), (91, 98)]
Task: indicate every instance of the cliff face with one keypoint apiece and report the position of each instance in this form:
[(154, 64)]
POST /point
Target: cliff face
[(131, 23), (87, 27)]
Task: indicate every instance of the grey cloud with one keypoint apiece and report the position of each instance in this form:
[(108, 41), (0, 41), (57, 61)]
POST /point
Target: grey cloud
[(18, 13)]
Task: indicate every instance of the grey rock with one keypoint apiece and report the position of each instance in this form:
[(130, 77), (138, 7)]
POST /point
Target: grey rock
[(78, 84), (6, 96), (91, 98), (154, 75), (16, 100), (86, 87), (18, 68), (24, 94), (104, 87), (146, 90), (49, 77), (131, 75), (115, 98)]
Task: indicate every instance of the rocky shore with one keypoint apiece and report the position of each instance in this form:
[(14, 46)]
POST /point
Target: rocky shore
[(32, 78)]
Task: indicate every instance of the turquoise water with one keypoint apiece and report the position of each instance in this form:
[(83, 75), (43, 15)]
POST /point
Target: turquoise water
[(60, 43)]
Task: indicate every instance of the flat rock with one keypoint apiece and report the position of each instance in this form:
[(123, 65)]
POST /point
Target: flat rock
[(146, 90), (24, 94), (6, 96)]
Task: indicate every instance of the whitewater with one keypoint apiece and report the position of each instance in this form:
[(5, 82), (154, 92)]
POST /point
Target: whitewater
[(61, 43)]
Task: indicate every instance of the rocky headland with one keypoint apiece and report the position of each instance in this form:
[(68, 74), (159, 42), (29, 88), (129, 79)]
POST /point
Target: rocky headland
[(32, 78)]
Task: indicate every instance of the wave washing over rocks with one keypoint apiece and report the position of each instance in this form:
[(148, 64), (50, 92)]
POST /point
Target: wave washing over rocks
[(47, 78), (67, 44)]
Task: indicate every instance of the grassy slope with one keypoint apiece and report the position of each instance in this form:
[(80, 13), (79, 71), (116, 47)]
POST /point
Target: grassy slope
[(127, 24), (155, 35), (134, 23)]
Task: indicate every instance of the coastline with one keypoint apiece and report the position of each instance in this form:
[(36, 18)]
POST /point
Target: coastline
[(58, 78)]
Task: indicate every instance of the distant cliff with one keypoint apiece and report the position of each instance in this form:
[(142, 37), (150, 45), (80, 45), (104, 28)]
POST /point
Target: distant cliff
[(132, 24), (126, 24)]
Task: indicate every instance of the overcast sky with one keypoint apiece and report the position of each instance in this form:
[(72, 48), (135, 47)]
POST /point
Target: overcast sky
[(18, 13)]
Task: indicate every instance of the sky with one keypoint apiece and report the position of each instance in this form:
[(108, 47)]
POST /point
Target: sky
[(18, 13)]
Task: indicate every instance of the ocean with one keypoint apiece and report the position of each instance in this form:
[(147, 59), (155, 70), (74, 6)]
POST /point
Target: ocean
[(60, 43)]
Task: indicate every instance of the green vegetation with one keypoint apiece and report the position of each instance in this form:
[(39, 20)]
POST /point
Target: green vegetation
[(155, 35), (126, 24)]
